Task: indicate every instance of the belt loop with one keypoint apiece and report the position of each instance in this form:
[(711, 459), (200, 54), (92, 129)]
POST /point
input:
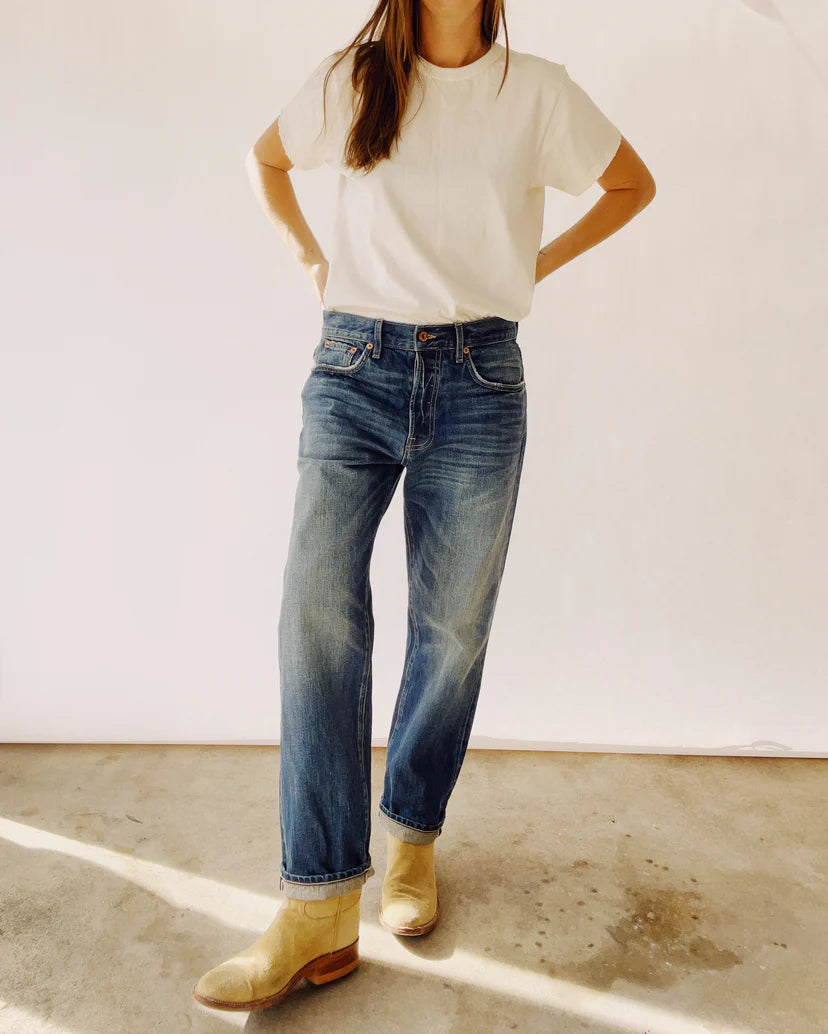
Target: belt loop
[(458, 346), (377, 350)]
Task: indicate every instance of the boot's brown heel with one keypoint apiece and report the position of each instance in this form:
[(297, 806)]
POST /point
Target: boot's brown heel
[(331, 967)]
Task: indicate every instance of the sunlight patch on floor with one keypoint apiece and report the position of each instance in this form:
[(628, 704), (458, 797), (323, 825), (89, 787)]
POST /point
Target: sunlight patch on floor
[(248, 911)]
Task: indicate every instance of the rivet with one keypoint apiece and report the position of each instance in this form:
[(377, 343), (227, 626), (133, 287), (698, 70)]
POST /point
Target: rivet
[(423, 335), (369, 345), (353, 349), (466, 348)]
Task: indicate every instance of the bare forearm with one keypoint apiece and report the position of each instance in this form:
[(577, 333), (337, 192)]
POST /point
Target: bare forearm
[(608, 214), (274, 191)]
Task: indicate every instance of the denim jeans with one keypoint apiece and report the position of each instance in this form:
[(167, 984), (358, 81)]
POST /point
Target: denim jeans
[(446, 403)]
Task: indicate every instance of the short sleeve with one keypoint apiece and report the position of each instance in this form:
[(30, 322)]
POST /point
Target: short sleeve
[(578, 142), (306, 142)]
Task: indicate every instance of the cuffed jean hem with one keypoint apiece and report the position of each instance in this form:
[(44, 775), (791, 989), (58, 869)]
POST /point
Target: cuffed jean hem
[(320, 888), (404, 831)]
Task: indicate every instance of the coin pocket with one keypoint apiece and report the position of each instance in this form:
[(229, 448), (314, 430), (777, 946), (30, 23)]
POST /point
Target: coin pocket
[(341, 355)]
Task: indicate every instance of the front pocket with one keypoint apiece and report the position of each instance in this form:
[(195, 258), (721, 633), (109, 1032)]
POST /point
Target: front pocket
[(498, 365), (340, 355)]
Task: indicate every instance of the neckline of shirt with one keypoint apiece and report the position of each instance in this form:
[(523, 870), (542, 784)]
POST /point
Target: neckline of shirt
[(462, 71)]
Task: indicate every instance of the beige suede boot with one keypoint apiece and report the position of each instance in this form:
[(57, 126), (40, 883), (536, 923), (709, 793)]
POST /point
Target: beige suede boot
[(312, 939), (409, 904)]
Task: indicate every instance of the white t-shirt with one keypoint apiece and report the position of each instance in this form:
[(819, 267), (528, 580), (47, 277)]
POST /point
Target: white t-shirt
[(449, 227)]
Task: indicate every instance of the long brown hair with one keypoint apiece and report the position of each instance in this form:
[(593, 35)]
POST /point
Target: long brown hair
[(383, 73)]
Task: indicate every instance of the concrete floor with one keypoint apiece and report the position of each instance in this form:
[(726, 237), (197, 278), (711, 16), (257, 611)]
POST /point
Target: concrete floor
[(580, 892)]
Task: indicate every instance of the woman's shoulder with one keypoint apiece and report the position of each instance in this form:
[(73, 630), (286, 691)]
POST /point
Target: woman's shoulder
[(340, 69), (536, 75), (539, 67)]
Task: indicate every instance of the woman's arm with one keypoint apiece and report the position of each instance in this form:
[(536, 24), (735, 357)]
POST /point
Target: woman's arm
[(628, 187), (267, 166)]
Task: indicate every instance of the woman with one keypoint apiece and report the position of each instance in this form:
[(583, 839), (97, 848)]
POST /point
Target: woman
[(445, 141)]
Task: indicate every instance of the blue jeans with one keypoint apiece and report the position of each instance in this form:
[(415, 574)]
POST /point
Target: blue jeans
[(446, 403)]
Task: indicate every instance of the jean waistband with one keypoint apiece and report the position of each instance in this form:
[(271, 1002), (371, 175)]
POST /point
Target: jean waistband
[(417, 336)]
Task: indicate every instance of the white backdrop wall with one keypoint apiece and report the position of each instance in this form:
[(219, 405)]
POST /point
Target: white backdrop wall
[(667, 584)]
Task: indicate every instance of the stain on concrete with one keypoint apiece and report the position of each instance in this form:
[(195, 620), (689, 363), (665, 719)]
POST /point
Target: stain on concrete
[(654, 942)]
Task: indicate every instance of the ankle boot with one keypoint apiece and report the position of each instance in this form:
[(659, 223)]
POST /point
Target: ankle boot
[(409, 904), (313, 939)]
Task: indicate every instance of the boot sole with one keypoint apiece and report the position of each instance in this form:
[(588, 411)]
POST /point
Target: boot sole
[(411, 931), (321, 970)]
